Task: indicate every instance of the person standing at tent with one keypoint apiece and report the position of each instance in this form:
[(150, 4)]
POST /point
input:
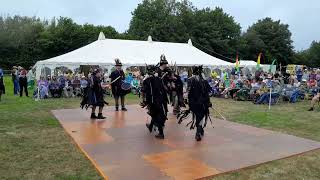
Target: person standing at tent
[(117, 77), (2, 87), (23, 82), (30, 77), (15, 80), (155, 98)]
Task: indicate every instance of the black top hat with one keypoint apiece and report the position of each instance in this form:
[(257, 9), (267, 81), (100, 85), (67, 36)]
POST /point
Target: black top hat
[(118, 63), (197, 70), (163, 60), (151, 69)]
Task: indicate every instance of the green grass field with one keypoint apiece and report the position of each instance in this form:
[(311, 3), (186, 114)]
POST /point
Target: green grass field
[(33, 145)]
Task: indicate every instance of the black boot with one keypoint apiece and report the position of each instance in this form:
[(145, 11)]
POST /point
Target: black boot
[(160, 135), (124, 109), (93, 116), (150, 127), (198, 134), (100, 116), (117, 108), (311, 109), (201, 131)]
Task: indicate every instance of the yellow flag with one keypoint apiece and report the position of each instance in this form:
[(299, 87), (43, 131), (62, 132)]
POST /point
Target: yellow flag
[(258, 61), (237, 63)]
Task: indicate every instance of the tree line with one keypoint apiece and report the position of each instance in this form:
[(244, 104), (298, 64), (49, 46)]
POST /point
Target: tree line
[(25, 40)]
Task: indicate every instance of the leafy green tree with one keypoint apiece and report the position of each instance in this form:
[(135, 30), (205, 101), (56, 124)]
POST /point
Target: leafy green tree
[(168, 20), (25, 40), (314, 54), (216, 31), (309, 57), (270, 37), (17, 40), (155, 18)]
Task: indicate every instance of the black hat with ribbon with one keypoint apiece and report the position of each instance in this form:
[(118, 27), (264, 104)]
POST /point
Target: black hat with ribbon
[(118, 63), (197, 70), (163, 60)]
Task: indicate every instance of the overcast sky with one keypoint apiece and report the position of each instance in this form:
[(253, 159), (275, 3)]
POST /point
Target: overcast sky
[(303, 17)]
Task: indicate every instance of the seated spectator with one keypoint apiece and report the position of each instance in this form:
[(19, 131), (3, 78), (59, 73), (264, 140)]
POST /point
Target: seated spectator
[(312, 76), (286, 77), (305, 76), (228, 84), (244, 93), (68, 90), (42, 88), (314, 101), (136, 86), (75, 83), (54, 88), (62, 81), (83, 82), (264, 95), (312, 83), (299, 75), (318, 75)]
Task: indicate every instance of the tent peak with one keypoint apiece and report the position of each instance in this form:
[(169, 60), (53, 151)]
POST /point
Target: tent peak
[(190, 42), (149, 39), (101, 36)]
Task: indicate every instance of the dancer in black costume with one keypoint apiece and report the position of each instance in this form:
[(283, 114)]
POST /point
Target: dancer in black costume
[(94, 96), (155, 99), (175, 91), (199, 103)]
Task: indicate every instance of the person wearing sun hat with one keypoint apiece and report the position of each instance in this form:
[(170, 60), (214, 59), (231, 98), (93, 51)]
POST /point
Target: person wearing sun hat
[(117, 77)]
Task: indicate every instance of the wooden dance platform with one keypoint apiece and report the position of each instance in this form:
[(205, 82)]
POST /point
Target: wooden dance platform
[(121, 147)]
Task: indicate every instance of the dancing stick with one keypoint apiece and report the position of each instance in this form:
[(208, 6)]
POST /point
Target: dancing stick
[(219, 113), (115, 80)]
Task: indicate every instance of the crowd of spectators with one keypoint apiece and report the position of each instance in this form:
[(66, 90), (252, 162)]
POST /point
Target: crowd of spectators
[(262, 85), (61, 86), (259, 87)]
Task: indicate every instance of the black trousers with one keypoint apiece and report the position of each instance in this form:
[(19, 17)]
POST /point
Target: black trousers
[(116, 99), (158, 115), (23, 82)]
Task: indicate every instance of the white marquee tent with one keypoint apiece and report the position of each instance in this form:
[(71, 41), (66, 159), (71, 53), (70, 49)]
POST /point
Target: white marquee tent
[(131, 53)]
